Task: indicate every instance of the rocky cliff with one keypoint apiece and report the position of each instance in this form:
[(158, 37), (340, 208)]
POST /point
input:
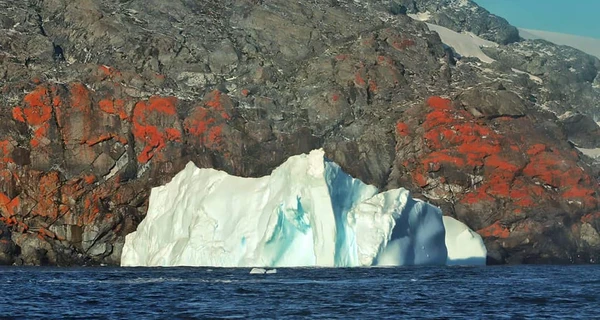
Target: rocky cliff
[(103, 99)]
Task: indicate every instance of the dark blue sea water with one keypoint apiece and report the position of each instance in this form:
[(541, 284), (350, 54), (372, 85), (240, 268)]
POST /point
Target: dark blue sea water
[(507, 292)]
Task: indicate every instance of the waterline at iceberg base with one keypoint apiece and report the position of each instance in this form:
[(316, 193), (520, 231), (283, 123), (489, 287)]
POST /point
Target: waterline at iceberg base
[(308, 212)]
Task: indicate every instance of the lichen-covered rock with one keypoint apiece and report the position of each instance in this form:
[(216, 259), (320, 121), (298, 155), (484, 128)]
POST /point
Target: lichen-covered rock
[(496, 175), (102, 100)]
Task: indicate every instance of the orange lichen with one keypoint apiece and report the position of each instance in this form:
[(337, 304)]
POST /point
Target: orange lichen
[(8, 205), (494, 230), (402, 129), (440, 103), (47, 196), (420, 180), (6, 148), (206, 122), (457, 139), (359, 81), (154, 137), (536, 149), (403, 44), (17, 114), (115, 107), (372, 86), (335, 97), (80, 97), (37, 109)]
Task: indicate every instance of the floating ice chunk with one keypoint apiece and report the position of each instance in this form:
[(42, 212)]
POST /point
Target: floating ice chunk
[(258, 271)]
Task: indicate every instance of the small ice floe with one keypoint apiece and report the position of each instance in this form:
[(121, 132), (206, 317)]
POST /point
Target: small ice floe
[(262, 271)]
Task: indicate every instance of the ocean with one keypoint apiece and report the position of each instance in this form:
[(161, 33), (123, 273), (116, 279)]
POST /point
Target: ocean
[(498, 292)]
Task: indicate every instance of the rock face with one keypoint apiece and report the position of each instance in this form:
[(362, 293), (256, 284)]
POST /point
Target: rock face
[(463, 15), (102, 100)]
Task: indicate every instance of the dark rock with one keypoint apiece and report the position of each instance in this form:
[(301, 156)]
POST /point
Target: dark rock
[(493, 103), (461, 15), (582, 130)]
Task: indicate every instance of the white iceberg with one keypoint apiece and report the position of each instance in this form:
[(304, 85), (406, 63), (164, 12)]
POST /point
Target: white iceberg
[(308, 212)]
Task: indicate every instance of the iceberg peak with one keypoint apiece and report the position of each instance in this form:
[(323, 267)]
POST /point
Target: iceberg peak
[(308, 212)]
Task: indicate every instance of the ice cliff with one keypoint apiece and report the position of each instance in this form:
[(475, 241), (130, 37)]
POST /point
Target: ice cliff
[(308, 212)]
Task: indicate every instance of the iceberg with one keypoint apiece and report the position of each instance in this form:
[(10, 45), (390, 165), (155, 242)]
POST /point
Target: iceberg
[(308, 212)]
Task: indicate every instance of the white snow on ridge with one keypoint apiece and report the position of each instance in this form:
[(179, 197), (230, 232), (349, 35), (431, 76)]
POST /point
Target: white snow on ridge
[(465, 44), (588, 45), (592, 153), (421, 16), (531, 77), (308, 212)]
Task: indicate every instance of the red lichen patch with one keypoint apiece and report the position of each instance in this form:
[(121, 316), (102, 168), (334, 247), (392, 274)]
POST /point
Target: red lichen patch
[(148, 125), (477, 196), (36, 112), (526, 194), (536, 149), (206, 123), (80, 97), (420, 180), (37, 107), (440, 103), (109, 72), (219, 102), (47, 196), (47, 233), (17, 114), (457, 142), (335, 97), (95, 140), (115, 107), (432, 161), (8, 206), (373, 86), (199, 122), (6, 148), (359, 80), (106, 70), (89, 179), (402, 129), (495, 230), (402, 44), (341, 57), (15, 224), (561, 171), (385, 61)]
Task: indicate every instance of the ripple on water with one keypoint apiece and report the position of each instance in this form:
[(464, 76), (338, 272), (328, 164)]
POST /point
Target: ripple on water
[(412, 292)]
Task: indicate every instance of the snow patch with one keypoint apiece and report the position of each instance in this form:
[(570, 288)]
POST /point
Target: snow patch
[(308, 212), (465, 44), (592, 153), (531, 77), (421, 16)]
